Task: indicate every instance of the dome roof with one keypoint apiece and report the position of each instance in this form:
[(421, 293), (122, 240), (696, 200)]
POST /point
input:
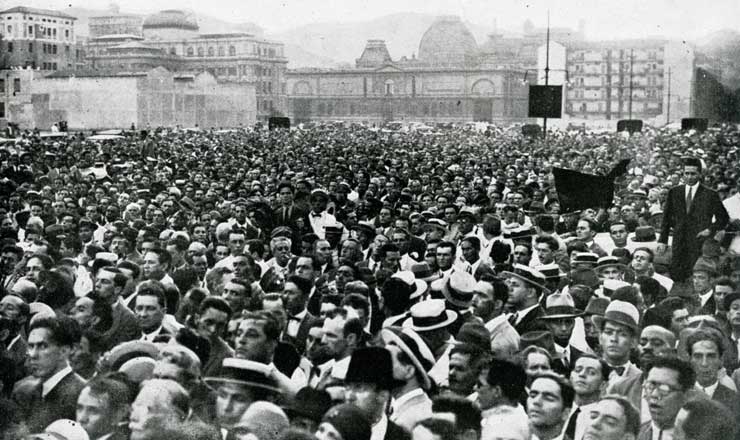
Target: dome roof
[(171, 18), (447, 41)]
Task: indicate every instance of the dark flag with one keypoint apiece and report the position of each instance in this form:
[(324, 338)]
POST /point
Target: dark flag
[(578, 191)]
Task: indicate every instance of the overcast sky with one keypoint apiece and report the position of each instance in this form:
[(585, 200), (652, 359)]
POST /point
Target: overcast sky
[(604, 19)]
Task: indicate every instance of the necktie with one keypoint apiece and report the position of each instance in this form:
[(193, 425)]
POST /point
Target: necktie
[(513, 317), (570, 428), (619, 370), (688, 200), (285, 215), (660, 435)]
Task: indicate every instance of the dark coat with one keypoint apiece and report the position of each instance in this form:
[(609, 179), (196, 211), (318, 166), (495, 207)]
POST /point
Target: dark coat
[(395, 432), (532, 322), (685, 226), (60, 403)]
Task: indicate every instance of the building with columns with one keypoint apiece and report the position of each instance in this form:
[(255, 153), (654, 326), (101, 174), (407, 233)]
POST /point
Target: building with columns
[(450, 81)]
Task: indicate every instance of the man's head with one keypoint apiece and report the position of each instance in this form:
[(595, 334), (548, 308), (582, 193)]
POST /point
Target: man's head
[(160, 403), (676, 309), (156, 264), (109, 283), (692, 171), (150, 306), (705, 348), (213, 317), (257, 337), (585, 230), (445, 255), (589, 377), (618, 233), (642, 260), (665, 389), (236, 292), (655, 341), (618, 331), (50, 343), (465, 364), (14, 308), (704, 419), (612, 418), (549, 401), (103, 405), (339, 341), (501, 382)]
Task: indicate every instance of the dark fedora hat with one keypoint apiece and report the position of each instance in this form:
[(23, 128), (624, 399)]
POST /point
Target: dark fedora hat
[(309, 403), (371, 365), (539, 338), (644, 234), (366, 228), (596, 306)]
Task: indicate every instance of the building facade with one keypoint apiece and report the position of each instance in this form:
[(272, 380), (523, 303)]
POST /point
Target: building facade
[(629, 79), (38, 39), (170, 39), (106, 99), (450, 81)]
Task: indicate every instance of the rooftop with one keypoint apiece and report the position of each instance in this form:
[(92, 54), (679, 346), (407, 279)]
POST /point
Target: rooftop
[(37, 11)]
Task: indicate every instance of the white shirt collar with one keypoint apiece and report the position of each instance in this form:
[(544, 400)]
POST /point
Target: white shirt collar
[(397, 403), (709, 391), (523, 313), (380, 428), (54, 380), (693, 187), (150, 336), (705, 297)]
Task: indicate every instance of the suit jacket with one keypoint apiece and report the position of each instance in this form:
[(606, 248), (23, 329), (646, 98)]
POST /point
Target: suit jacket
[(705, 205), (125, 327), (646, 431), (17, 354), (412, 411), (60, 403), (728, 398), (629, 387), (395, 432), (220, 350), (299, 341), (532, 322)]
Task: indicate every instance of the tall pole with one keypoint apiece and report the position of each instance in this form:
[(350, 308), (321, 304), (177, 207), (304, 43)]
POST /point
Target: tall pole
[(547, 69), (632, 60), (668, 107)]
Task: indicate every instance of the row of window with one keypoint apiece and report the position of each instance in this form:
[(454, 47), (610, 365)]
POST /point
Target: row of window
[(571, 107), (43, 20), (441, 108), (267, 106), (45, 32), (581, 55)]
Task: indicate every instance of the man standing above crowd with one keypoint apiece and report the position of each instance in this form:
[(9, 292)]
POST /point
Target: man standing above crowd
[(693, 213)]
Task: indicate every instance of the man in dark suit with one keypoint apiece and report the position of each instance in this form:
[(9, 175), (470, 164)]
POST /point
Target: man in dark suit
[(288, 214), (525, 286), (560, 317), (689, 211), (50, 392), (102, 407), (705, 351), (16, 311), (377, 381), (296, 292)]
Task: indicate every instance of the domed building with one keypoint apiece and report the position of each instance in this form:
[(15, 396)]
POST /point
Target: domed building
[(449, 82), (448, 42), (170, 24), (170, 39)]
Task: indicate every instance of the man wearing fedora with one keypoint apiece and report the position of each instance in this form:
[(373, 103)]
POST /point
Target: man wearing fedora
[(411, 360), (525, 287), (458, 290), (239, 383), (702, 277), (618, 335), (431, 320), (370, 390), (610, 268), (692, 213), (560, 318)]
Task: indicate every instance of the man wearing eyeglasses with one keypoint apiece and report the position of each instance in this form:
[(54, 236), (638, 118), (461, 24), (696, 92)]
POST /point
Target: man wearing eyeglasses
[(667, 387)]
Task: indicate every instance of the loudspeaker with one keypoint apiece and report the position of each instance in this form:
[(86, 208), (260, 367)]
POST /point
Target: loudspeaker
[(698, 124), (630, 125), (531, 130), (279, 122), (545, 101)]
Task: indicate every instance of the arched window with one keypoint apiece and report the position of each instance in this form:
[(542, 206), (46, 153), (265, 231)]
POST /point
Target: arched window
[(232, 51), (210, 52), (190, 51), (200, 51)]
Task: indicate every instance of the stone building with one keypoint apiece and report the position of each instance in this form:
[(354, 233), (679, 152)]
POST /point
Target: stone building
[(170, 39), (38, 38), (107, 99), (450, 81)]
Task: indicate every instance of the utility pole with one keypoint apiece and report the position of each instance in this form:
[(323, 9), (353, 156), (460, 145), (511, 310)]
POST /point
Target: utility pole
[(547, 70), (668, 107), (632, 60)]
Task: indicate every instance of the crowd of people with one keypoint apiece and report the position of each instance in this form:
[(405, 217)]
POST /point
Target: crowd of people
[(349, 283)]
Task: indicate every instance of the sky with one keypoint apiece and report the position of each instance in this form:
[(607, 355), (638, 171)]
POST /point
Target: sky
[(682, 19)]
